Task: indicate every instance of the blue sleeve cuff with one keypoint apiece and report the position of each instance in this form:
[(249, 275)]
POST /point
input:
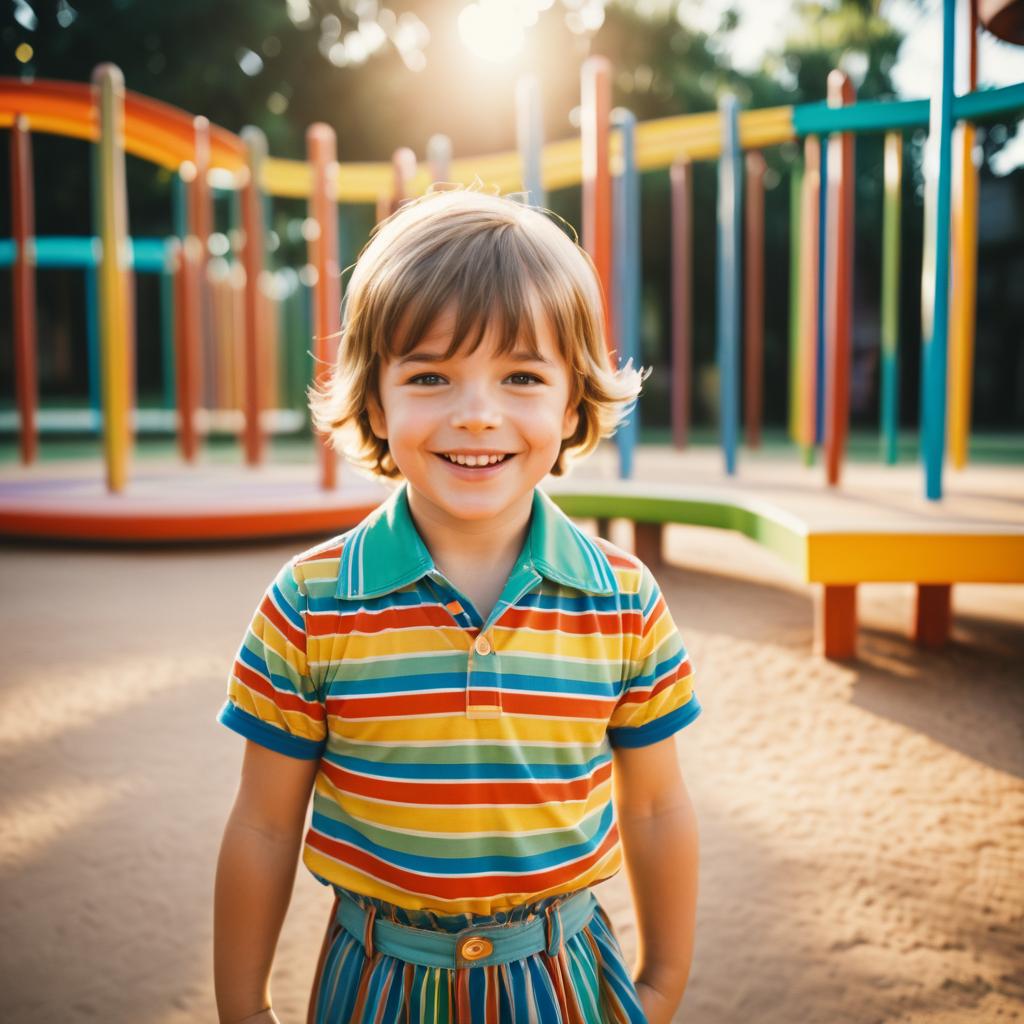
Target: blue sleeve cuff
[(270, 736), (659, 729)]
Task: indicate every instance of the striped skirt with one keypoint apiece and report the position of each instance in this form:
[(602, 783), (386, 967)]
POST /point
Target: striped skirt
[(587, 982)]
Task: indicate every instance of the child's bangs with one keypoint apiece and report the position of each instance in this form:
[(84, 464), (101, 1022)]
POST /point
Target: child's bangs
[(488, 284)]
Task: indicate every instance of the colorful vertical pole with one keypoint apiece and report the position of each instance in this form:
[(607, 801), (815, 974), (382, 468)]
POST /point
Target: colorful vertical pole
[(820, 358), (795, 405), (23, 282), (810, 292), (253, 251), (200, 216), (110, 213), (626, 228), (595, 112), (403, 168), (891, 207), (167, 317), (92, 338), (439, 157), (839, 288), (193, 216), (935, 264), (965, 244), (321, 151), (530, 138), (681, 186), (753, 311), (729, 285)]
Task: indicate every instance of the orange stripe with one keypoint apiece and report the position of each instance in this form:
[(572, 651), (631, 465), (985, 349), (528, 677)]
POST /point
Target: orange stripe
[(285, 701), (459, 887), (468, 791)]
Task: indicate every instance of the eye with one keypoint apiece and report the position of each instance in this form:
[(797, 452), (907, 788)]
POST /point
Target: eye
[(425, 377), (525, 378)]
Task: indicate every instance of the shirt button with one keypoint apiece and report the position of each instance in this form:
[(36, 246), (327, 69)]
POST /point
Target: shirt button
[(482, 645)]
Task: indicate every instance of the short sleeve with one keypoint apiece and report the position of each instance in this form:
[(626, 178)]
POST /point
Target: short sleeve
[(271, 698), (657, 699)]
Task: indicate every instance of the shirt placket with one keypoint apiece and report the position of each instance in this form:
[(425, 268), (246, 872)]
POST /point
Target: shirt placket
[(484, 701)]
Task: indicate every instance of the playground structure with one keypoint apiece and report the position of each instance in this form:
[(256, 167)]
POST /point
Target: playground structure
[(223, 347)]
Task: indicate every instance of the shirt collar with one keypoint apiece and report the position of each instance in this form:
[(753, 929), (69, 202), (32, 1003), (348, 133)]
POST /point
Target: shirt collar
[(385, 551)]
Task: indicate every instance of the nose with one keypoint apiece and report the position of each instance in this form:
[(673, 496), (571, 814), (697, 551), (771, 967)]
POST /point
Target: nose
[(475, 410)]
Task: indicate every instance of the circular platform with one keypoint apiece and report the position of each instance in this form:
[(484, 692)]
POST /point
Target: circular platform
[(168, 503)]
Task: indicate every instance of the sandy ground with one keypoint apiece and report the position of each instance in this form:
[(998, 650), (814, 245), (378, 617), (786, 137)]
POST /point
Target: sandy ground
[(862, 824)]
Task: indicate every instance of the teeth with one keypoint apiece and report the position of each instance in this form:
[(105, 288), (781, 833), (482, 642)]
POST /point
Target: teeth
[(475, 460)]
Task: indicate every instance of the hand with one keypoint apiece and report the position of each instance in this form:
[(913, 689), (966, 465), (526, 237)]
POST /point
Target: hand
[(657, 1009)]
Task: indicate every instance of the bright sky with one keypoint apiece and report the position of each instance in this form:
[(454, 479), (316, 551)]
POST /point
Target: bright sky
[(764, 25)]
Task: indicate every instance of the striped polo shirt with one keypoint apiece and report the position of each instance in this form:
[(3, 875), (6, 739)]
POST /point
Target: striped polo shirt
[(465, 765)]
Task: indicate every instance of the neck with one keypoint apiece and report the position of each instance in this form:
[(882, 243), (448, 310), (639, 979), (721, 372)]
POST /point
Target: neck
[(486, 544)]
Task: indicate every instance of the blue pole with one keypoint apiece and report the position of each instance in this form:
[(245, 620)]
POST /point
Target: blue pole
[(626, 258), (938, 165), (92, 341), (730, 219), (530, 138), (167, 331), (820, 376)]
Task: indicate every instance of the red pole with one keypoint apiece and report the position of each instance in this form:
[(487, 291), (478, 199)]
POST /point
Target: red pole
[(199, 204), (753, 250), (187, 327), (252, 259), (838, 283), (403, 161), (809, 221), (681, 182), (323, 255), (595, 116), (23, 281)]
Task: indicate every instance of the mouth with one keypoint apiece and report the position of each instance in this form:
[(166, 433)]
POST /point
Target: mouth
[(475, 461)]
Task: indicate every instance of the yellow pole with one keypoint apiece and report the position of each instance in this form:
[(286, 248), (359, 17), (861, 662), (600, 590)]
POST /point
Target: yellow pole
[(965, 249), (110, 213)]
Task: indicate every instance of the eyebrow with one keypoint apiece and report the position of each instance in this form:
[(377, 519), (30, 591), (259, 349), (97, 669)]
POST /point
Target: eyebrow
[(432, 357)]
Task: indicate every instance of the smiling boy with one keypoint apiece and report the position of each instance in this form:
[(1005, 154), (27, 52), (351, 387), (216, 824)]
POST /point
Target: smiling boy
[(466, 673)]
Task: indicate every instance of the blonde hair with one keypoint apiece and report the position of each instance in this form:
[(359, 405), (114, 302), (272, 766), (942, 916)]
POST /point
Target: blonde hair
[(491, 259)]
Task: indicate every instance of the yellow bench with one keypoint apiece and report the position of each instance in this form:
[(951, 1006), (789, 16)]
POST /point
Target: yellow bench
[(838, 559)]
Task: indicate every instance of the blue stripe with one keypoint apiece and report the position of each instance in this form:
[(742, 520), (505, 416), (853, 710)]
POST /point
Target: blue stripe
[(659, 729), (447, 866), (278, 680), (287, 609), (433, 771), (433, 682), (270, 736)]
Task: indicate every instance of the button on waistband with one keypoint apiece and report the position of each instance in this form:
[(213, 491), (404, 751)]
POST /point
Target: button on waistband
[(482, 645), (476, 948)]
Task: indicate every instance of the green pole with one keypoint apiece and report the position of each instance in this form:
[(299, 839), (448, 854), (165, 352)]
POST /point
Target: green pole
[(796, 184)]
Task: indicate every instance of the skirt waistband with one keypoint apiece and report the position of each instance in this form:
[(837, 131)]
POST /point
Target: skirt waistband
[(482, 946)]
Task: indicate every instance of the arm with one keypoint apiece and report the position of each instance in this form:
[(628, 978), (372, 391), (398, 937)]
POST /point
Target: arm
[(255, 875), (658, 827)]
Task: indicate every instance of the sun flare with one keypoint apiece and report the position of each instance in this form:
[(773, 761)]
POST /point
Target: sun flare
[(495, 30)]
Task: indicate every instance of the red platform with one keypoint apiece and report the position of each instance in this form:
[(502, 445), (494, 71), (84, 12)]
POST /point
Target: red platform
[(167, 503)]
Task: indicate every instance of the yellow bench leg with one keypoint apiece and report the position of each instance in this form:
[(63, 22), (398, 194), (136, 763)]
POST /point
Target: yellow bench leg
[(933, 614), (647, 543), (835, 627)]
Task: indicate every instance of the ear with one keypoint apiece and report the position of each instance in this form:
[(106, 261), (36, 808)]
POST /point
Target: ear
[(571, 421), (375, 414)]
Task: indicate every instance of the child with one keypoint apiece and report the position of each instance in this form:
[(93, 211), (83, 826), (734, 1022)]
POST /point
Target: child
[(459, 679)]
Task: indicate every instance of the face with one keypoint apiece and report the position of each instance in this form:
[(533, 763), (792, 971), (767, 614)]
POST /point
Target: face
[(474, 434)]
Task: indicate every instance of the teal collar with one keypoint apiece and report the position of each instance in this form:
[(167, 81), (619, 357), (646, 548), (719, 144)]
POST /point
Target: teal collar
[(385, 551)]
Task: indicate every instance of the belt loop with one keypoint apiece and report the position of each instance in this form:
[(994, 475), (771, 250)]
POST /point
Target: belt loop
[(553, 930), (371, 917)]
